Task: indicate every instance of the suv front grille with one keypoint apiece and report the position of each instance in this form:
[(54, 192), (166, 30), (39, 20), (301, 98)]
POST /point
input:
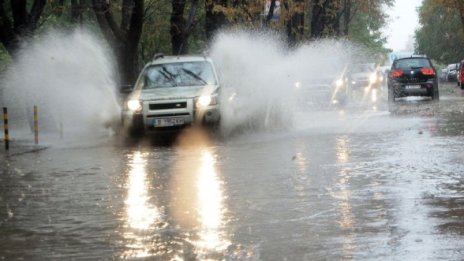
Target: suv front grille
[(166, 106)]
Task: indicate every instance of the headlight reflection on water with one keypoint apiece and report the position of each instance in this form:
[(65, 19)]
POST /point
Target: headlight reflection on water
[(140, 215), (199, 191), (343, 196), (210, 205)]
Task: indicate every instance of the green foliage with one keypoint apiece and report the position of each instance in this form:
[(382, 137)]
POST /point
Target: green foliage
[(440, 36), (5, 59), (365, 26), (366, 31), (155, 36)]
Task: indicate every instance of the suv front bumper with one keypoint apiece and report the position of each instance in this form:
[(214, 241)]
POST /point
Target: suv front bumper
[(159, 115)]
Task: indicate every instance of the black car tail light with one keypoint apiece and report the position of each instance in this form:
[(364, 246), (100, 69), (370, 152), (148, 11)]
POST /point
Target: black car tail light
[(428, 71), (396, 73)]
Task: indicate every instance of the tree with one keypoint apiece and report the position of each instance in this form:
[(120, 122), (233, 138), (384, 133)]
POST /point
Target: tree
[(180, 27), (440, 36), (456, 5), (295, 24), (325, 18), (124, 38), (215, 17), (21, 25)]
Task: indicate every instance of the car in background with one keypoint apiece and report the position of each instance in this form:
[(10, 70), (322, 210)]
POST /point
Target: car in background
[(461, 75), (323, 91), (172, 92), (412, 76), (365, 75), (444, 75), (452, 72)]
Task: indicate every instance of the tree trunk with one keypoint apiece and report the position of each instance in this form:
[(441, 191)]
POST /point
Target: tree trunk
[(460, 7), (214, 20), (295, 25), (270, 14), (125, 38), (24, 24), (325, 20), (347, 17), (178, 23)]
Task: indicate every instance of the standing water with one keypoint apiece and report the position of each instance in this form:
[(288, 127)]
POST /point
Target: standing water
[(70, 77)]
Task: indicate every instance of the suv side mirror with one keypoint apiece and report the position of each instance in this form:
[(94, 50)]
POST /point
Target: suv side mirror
[(126, 89)]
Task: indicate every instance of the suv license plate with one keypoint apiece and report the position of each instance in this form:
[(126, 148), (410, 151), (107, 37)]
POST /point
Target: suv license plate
[(168, 122), (410, 87)]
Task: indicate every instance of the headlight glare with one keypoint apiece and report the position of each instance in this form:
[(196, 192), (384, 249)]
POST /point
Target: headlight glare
[(134, 105), (339, 83), (204, 101), (373, 78)]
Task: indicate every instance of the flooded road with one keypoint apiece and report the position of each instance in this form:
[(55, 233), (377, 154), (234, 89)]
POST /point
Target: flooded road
[(339, 185)]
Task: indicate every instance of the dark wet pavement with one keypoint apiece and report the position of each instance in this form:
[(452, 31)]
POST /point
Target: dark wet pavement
[(339, 185)]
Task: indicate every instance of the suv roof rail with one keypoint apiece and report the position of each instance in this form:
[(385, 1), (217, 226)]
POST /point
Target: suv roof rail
[(158, 56)]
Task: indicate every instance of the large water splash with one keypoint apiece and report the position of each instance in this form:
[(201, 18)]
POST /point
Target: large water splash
[(70, 77), (259, 74)]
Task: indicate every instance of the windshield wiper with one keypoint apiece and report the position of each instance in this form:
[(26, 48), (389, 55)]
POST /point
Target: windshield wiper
[(194, 75), (168, 75), (418, 67)]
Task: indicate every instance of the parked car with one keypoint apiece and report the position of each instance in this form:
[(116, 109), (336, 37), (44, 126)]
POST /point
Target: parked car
[(444, 75), (365, 75), (461, 74), (172, 92), (452, 72), (412, 76)]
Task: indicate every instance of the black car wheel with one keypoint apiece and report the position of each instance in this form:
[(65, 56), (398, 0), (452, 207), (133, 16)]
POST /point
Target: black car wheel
[(390, 95), (435, 95), (391, 99)]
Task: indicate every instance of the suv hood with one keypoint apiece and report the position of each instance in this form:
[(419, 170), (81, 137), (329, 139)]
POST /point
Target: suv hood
[(361, 75), (174, 92)]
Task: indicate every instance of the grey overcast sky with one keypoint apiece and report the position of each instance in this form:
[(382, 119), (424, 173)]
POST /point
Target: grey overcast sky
[(403, 21)]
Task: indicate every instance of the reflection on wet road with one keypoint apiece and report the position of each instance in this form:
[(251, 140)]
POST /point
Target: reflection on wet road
[(141, 215), (357, 184)]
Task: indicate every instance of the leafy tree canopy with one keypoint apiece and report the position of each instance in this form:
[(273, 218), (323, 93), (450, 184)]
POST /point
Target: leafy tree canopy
[(440, 36)]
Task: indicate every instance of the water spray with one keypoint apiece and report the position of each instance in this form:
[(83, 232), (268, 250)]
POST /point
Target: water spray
[(75, 85)]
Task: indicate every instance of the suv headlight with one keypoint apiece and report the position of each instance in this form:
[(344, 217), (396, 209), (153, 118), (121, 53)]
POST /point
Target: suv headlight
[(206, 100), (373, 78), (339, 83), (134, 105)]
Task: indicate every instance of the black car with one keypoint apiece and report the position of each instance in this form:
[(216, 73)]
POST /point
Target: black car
[(412, 76)]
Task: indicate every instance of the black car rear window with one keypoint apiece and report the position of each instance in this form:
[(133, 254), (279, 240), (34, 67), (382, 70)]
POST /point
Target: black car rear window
[(413, 63)]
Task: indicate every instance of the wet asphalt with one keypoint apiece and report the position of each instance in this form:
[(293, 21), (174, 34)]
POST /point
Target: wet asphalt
[(361, 183)]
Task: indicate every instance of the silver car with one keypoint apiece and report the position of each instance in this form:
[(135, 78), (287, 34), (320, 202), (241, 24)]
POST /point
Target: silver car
[(172, 92)]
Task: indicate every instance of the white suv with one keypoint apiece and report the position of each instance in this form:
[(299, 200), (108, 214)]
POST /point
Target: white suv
[(172, 92)]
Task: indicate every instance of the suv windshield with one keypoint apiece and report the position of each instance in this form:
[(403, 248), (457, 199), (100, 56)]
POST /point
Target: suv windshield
[(412, 63), (179, 74), (360, 68)]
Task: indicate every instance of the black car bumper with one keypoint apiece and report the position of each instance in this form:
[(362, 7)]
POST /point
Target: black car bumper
[(413, 89)]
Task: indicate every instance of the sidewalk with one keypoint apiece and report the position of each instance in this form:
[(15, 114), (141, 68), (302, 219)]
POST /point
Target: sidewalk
[(19, 147), (451, 89)]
